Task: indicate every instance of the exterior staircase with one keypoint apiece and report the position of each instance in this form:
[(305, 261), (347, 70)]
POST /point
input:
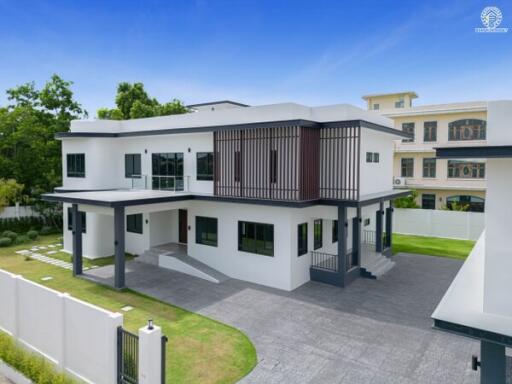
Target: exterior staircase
[(174, 256), (374, 264)]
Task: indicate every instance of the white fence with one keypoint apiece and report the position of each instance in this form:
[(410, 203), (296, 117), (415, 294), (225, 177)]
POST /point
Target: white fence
[(79, 337), (18, 211), (439, 223)]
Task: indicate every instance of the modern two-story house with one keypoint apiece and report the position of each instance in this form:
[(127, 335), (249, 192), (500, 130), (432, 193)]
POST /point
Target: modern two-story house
[(276, 194), (440, 182)]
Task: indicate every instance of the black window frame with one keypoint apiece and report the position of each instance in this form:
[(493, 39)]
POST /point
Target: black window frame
[(427, 199), (376, 157), (132, 165), (75, 165), (302, 239), (430, 131), (409, 128), (334, 231), (83, 218), (255, 229), (429, 170), (207, 231), (369, 157), (406, 167), (317, 234), (135, 223), (206, 163)]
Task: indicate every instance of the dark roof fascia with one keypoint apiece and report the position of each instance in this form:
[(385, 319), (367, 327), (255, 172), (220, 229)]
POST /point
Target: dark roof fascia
[(475, 333), (217, 102), (391, 196), (365, 124), (476, 152), (213, 128)]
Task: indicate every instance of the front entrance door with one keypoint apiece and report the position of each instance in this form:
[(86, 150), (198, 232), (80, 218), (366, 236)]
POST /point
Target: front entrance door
[(183, 224)]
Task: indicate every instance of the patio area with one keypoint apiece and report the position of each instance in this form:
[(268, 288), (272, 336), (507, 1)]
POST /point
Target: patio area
[(374, 331)]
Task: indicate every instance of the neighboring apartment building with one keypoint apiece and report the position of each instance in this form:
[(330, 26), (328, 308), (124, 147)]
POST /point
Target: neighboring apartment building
[(439, 182), (253, 193)]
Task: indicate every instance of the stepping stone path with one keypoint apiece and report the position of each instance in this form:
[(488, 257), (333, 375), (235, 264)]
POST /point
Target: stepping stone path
[(46, 259)]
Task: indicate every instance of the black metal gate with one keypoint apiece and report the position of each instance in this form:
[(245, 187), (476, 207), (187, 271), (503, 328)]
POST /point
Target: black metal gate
[(127, 357)]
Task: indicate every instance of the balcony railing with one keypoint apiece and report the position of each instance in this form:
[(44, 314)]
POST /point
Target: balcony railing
[(162, 183), (329, 262)]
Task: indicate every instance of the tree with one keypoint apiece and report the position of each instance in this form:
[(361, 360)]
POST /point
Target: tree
[(29, 152), (407, 201), (10, 192), (133, 102)]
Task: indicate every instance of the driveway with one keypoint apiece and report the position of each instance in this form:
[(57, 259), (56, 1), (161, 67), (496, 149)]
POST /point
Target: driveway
[(374, 331)]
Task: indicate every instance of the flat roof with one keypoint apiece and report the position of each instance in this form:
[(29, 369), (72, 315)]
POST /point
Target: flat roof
[(410, 93), (474, 152), (129, 197), (464, 107)]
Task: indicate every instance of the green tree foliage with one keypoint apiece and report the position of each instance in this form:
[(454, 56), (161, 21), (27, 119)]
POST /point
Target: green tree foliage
[(29, 152), (133, 102), (407, 201), (10, 192)]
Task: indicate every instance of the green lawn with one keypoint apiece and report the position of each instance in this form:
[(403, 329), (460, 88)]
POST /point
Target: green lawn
[(435, 246), (200, 350)]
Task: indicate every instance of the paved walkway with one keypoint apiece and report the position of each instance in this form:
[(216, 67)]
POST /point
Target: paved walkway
[(374, 331)]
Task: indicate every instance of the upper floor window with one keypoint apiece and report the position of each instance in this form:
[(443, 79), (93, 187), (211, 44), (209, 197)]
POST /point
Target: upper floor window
[(302, 242), (256, 238), (167, 170), (408, 128), (429, 167), (429, 131), (468, 129), (134, 223), (464, 169), (317, 234), (132, 166), (400, 103), (407, 167), (75, 164), (376, 107), (334, 231), (205, 166), (82, 218)]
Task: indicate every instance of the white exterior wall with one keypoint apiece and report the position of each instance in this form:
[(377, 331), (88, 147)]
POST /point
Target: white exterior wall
[(376, 177), (163, 227)]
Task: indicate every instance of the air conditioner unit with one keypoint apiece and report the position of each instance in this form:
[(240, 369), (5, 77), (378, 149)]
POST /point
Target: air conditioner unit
[(398, 181)]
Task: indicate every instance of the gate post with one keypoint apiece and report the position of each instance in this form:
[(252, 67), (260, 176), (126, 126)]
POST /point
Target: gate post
[(150, 355)]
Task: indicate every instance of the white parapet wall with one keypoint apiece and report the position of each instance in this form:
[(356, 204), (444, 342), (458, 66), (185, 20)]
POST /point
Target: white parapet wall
[(438, 223), (78, 337)]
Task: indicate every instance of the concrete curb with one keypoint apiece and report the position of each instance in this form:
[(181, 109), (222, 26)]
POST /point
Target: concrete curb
[(12, 374)]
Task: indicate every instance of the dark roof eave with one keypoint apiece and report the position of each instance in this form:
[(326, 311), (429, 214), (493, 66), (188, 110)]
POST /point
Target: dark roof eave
[(475, 152)]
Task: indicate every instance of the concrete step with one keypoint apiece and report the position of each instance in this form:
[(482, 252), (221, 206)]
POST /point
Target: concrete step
[(190, 266), (375, 265)]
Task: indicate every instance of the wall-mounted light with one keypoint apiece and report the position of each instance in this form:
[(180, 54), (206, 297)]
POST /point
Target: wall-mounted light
[(189, 150), (189, 227), (147, 221), (145, 151)]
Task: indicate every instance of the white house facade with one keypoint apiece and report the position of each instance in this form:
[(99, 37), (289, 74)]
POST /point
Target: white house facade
[(252, 193)]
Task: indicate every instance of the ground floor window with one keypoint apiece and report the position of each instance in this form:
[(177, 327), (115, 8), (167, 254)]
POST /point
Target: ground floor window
[(206, 231), (134, 223), (70, 220), (317, 233), (303, 238), (466, 202), (428, 201), (256, 238), (334, 231)]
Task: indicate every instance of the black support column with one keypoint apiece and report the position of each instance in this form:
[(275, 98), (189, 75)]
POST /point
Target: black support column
[(356, 238), (378, 227), (389, 226), (493, 363), (119, 255), (76, 225), (342, 243)]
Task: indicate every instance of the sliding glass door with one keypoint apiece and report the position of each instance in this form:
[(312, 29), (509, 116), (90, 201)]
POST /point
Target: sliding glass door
[(167, 171)]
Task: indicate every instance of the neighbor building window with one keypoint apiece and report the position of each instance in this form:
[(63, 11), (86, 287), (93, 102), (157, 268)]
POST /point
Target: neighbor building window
[(408, 128), (376, 107), (428, 201), (400, 103), (369, 157), (134, 223), (468, 129), (302, 239), (334, 231), (463, 169), (317, 234), (132, 168), (206, 231), (256, 238), (205, 166), (470, 203), (407, 165), (82, 218), (75, 164), (429, 167), (376, 157), (429, 131), (167, 171)]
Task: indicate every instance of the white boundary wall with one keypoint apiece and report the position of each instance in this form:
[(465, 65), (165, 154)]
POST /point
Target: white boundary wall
[(17, 211), (78, 337), (438, 223)]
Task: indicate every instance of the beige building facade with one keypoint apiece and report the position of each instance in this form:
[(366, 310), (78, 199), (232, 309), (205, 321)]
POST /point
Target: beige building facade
[(440, 183)]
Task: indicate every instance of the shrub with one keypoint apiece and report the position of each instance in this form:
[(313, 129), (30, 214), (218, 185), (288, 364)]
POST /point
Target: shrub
[(10, 234), (21, 225), (46, 230), (32, 235), (5, 241), (22, 239)]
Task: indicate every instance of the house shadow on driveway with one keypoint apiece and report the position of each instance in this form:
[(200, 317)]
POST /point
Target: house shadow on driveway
[(373, 331)]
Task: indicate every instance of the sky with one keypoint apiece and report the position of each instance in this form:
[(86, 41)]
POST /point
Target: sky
[(258, 52)]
